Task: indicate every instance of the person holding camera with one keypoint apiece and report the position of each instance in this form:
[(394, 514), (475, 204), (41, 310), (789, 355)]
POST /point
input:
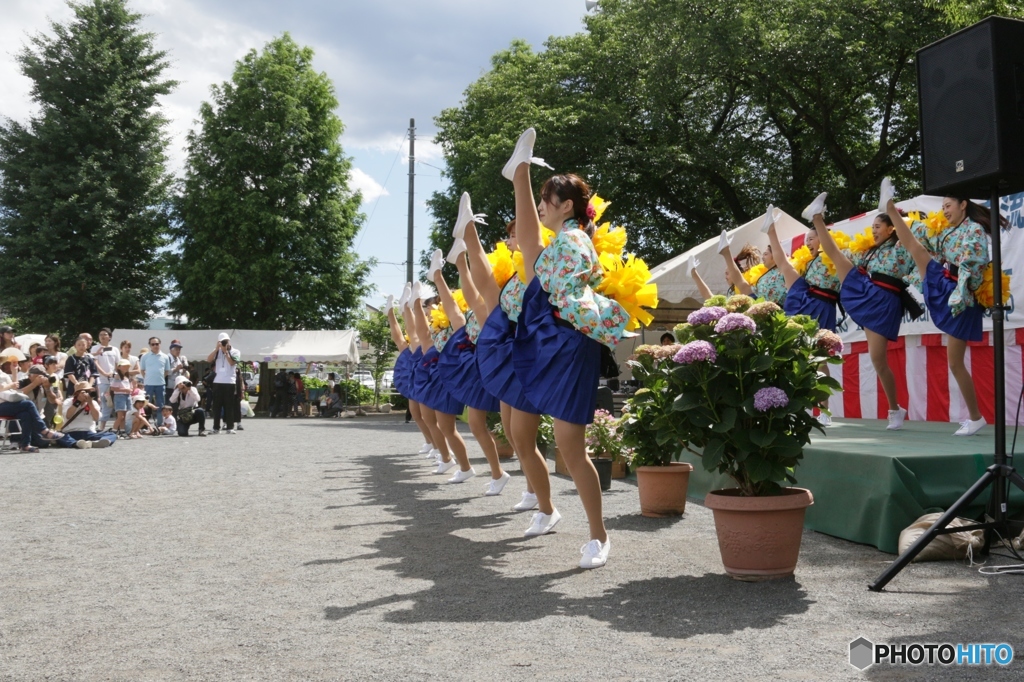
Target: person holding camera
[(44, 395), (179, 366), (81, 412), (224, 358), (15, 402), (156, 367), (185, 400)]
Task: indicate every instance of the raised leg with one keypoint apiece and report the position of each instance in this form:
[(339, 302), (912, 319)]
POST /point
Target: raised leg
[(480, 269), (916, 249), (527, 221), (828, 245)]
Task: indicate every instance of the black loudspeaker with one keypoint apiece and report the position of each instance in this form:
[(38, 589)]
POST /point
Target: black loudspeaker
[(971, 98)]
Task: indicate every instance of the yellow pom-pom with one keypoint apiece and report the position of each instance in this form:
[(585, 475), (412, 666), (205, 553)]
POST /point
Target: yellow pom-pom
[(520, 267), (936, 222), (438, 319), (599, 205), (755, 273), (610, 240), (985, 293), (801, 258), (546, 236), (460, 300), (502, 266), (627, 283), (862, 241), (841, 239)]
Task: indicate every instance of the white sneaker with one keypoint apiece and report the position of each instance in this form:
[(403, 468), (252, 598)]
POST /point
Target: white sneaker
[(444, 467), (83, 444), (824, 420), (406, 295), (528, 502), (436, 263), (769, 219), (724, 241), (417, 291), (230, 431), (543, 523), (885, 194), (691, 265), (595, 553), (896, 418), (458, 248), (496, 485), (390, 304), (214, 432), (466, 216), (462, 476), (523, 153), (970, 427), (816, 207), (425, 449)]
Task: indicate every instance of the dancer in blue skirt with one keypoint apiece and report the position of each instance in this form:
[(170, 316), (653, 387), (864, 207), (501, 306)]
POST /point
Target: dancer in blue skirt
[(951, 263), (403, 370), (557, 350), (771, 286), (874, 293), (499, 305), (457, 364), (434, 395), (748, 257)]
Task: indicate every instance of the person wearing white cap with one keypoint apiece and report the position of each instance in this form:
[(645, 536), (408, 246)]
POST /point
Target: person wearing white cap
[(224, 358)]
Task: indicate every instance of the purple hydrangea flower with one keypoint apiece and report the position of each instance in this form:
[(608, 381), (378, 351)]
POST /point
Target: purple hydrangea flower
[(696, 351), (709, 315), (734, 321), (770, 397)]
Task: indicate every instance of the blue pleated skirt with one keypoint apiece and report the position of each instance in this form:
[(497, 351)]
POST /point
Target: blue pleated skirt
[(400, 379), (937, 288), (412, 384), (494, 360), (433, 394), (558, 366), (800, 302), (871, 306), (460, 375)]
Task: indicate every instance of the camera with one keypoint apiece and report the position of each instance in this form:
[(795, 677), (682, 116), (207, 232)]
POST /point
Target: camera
[(53, 379)]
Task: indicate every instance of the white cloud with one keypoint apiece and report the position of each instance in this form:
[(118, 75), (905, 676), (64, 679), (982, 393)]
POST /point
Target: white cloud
[(362, 182)]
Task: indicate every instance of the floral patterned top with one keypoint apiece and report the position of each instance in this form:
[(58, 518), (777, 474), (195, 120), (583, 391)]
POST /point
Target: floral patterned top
[(771, 287), (472, 326), (440, 338), (817, 275), (965, 246), (568, 269), (891, 258), (511, 299)]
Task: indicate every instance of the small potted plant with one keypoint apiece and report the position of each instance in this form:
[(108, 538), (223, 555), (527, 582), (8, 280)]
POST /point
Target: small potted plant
[(604, 444), (505, 449), (742, 389), (648, 431)]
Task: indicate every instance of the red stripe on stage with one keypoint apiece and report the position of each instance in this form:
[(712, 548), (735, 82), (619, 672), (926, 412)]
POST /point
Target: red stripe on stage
[(851, 387), (1020, 336), (938, 384), (983, 370), (931, 339), (859, 347), (898, 365)]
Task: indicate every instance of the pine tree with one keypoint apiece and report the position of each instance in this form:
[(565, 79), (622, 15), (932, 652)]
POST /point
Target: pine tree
[(84, 191), (266, 221)]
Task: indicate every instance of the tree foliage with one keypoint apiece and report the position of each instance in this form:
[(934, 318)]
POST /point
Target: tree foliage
[(376, 332), (83, 186), (692, 116), (266, 219)]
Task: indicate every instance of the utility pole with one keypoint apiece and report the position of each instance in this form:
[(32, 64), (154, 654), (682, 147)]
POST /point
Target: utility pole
[(412, 194)]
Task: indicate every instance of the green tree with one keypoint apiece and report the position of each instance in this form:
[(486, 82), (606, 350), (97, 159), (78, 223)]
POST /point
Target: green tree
[(376, 332), (83, 186), (266, 219)]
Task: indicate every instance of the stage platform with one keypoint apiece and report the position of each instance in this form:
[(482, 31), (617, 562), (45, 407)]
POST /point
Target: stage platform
[(869, 483)]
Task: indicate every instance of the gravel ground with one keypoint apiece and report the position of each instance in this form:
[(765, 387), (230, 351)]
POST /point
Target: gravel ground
[(314, 549)]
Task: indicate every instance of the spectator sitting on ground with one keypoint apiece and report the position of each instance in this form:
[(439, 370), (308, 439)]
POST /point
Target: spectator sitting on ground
[(52, 369), (185, 400), (14, 402), (79, 367), (81, 412), (169, 427), (138, 425)]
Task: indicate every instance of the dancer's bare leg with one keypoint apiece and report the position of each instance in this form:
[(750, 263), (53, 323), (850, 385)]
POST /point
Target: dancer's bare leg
[(524, 430), (478, 425), (430, 417), (922, 257), (414, 410), (476, 302), (528, 232), (571, 440), (451, 308), (878, 347), (828, 244), (446, 423), (956, 352), (789, 273), (506, 424), (480, 269)]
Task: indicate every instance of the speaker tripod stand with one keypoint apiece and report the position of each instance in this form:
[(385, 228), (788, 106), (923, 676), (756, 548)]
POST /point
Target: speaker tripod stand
[(1000, 474)]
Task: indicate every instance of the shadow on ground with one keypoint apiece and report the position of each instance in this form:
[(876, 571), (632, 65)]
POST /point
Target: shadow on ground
[(468, 587)]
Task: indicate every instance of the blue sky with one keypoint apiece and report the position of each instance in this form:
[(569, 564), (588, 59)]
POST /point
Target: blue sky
[(390, 61)]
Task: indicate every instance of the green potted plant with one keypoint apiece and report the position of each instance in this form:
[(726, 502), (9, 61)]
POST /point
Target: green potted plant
[(742, 388), (649, 433), (546, 443), (505, 449), (604, 444)]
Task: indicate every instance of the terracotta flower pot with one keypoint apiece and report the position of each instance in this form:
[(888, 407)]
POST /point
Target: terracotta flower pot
[(560, 466), (505, 450), (759, 537), (663, 489), (619, 469)]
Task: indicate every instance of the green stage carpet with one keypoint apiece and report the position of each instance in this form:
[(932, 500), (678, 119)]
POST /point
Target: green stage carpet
[(869, 483)]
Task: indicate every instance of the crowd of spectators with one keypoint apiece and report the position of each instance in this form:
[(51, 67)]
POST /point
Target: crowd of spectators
[(68, 399)]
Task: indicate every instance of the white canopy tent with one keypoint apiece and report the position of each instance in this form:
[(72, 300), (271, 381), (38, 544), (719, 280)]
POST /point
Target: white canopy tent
[(335, 346)]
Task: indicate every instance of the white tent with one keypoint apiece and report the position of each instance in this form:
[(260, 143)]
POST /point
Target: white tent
[(923, 203), (337, 346), (674, 285)]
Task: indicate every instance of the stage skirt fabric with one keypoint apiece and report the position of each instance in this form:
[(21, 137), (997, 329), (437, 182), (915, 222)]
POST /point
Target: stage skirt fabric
[(460, 375), (800, 302), (938, 285), (411, 381), (403, 366), (494, 360), (430, 388), (559, 366), (871, 306)]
